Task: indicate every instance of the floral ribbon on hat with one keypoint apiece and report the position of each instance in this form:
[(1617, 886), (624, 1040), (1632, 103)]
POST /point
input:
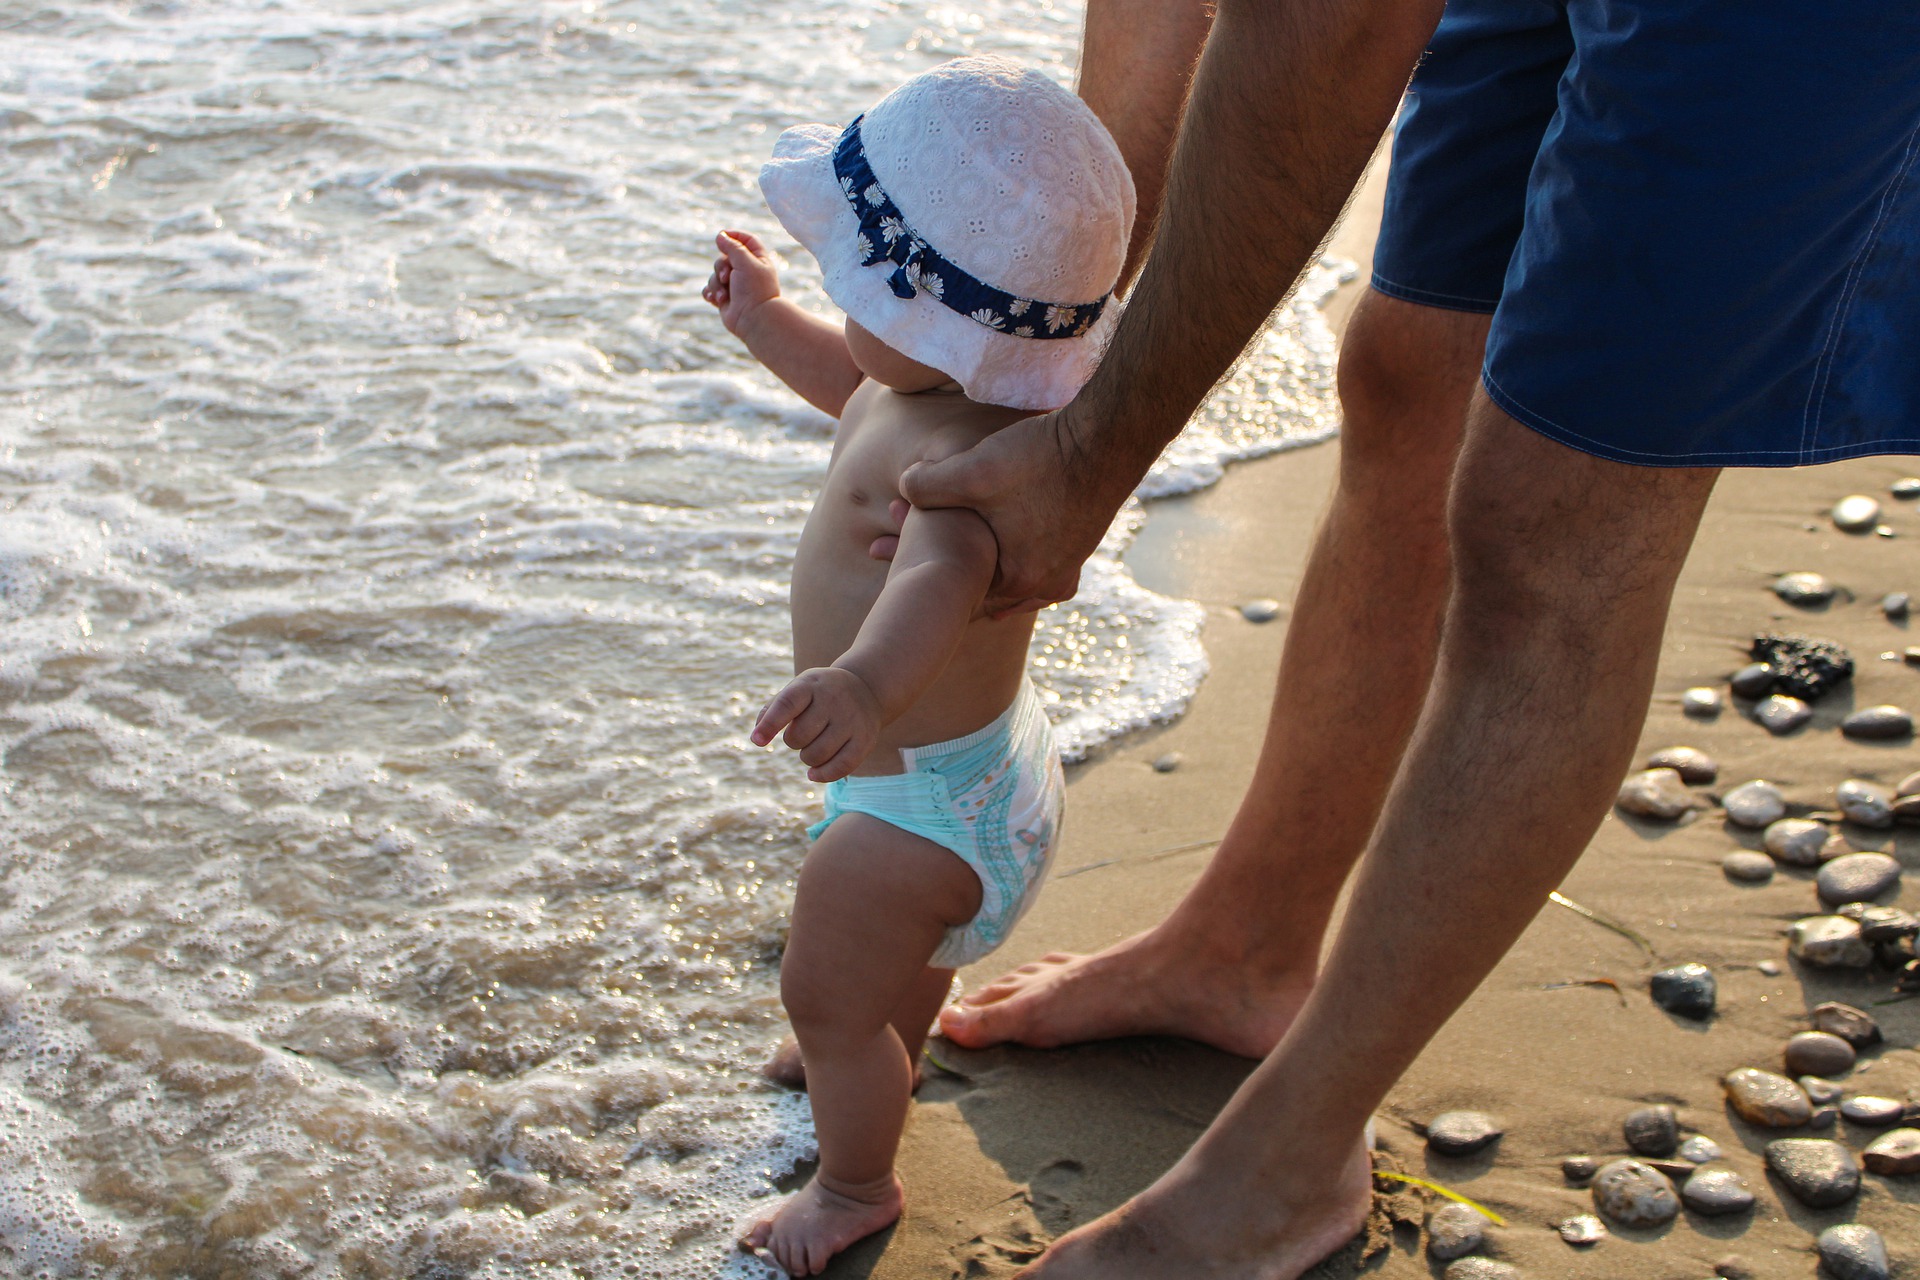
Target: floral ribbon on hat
[(919, 267)]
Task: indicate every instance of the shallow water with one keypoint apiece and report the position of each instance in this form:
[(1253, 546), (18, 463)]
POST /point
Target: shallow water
[(392, 550)]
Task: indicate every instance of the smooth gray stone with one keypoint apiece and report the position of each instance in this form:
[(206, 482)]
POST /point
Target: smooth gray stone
[(1855, 1026), (1635, 1194), (1766, 1098), (1579, 1169), (1652, 1131), (1780, 714), (1702, 702), (1454, 1231), (1815, 1053), (1874, 1112), (1856, 513), (1878, 724), (1716, 1191), (1690, 991), (1907, 808), (1858, 877), (1754, 804), (1881, 924), (1168, 762), (1582, 1231), (1747, 866), (1656, 793), (1896, 605), (1798, 842), (1695, 767), (1733, 1267), (1461, 1133), (1755, 681), (1906, 487), (1908, 786), (1851, 1251), (1699, 1149), (1823, 1118), (1820, 1090), (1866, 804), (1481, 1269), (1803, 589), (1829, 942), (1769, 967), (1820, 1173), (1894, 1154), (1262, 610)]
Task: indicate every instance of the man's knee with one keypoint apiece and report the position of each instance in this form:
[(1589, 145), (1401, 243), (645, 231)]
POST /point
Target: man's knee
[(1406, 374)]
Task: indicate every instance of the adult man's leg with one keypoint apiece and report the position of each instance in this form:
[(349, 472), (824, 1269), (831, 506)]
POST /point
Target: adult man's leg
[(1235, 960), (1564, 567)]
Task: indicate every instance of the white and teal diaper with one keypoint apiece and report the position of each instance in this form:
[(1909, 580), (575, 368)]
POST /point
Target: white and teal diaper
[(993, 797)]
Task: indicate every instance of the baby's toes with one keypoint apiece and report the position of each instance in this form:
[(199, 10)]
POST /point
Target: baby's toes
[(755, 1238)]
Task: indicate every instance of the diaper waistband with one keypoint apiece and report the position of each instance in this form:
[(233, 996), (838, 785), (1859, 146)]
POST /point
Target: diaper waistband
[(1015, 722)]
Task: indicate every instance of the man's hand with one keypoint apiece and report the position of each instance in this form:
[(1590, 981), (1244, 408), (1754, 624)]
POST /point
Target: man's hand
[(1047, 503), (831, 718), (744, 279)]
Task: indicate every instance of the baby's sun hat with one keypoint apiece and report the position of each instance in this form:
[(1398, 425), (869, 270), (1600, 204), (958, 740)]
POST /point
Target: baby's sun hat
[(975, 219)]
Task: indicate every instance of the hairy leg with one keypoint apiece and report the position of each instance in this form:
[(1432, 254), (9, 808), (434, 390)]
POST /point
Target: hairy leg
[(1234, 961), (872, 905), (1563, 573), (911, 1022), (1136, 62)]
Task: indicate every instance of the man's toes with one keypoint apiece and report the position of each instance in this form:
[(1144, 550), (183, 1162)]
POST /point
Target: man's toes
[(973, 1027)]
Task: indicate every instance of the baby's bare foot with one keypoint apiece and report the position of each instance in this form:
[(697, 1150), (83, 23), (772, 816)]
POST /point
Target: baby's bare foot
[(787, 1067), (815, 1223)]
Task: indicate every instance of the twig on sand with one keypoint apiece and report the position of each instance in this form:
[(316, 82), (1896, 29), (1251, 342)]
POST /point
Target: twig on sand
[(1605, 922), (1587, 982), (1151, 855), (1439, 1190), (926, 1051)]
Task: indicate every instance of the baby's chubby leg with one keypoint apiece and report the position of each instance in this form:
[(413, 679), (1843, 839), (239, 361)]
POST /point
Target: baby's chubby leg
[(872, 906), (911, 1021)]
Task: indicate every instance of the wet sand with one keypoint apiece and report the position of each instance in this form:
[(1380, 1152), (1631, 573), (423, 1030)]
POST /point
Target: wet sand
[(1022, 1145)]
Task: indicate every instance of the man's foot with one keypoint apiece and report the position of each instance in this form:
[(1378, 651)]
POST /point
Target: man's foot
[(1144, 986), (787, 1067), (815, 1223), (1199, 1229)]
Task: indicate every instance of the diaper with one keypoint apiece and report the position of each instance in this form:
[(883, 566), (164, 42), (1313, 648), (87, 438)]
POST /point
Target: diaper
[(993, 797)]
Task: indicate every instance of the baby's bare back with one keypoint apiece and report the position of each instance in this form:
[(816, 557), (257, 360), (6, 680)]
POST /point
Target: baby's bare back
[(836, 579)]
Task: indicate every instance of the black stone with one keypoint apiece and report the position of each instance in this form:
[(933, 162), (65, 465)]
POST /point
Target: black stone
[(1803, 667), (1688, 990), (1652, 1131)]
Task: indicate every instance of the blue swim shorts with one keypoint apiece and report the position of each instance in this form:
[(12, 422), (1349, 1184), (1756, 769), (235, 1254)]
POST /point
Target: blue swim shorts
[(1695, 223)]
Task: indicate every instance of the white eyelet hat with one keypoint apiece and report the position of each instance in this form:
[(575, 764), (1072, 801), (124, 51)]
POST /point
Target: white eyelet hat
[(976, 220)]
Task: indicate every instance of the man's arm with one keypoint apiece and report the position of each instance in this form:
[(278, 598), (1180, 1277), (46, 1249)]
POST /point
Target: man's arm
[(805, 351), (1289, 100), (833, 715)]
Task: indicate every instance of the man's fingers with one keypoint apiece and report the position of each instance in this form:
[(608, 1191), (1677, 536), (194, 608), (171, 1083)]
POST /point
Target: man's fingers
[(952, 482), (779, 713)]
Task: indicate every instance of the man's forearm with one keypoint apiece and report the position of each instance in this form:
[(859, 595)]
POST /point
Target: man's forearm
[(1288, 103)]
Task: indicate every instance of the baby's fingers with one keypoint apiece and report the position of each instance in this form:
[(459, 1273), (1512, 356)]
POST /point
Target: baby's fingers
[(786, 705), (843, 762), (750, 242)]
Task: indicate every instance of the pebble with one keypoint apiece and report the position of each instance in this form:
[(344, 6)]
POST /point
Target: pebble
[(1908, 786), (1803, 666), (1855, 1026), (1781, 714), (1867, 804), (1815, 1053), (1733, 1267), (1885, 531), (1858, 877), (1481, 1269), (1454, 1231), (1652, 1131), (1912, 654), (1856, 513), (1824, 1118), (1579, 1169), (1835, 847), (1262, 610), (1700, 1149), (1851, 1251), (1820, 1172), (1461, 1133), (1822, 1091), (1657, 794), (1907, 487), (1881, 924), (1769, 967), (1874, 1112), (1896, 605), (1829, 942), (1582, 1231), (1752, 681), (1694, 766), (1690, 991), (1766, 1099), (1907, 809), (1634, 1194), (1877, 724), (1168, 762), (1804, 589), (1754, 804), (1716, 1191), (1747, 866), (1701, 701), (1895, 1153), (1795, 841)]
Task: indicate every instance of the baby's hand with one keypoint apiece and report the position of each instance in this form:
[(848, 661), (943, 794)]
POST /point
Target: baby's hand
[(831, 718), (743, 278)]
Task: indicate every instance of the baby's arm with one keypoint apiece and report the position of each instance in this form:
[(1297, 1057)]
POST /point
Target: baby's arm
[(805, 351), (833, 715)]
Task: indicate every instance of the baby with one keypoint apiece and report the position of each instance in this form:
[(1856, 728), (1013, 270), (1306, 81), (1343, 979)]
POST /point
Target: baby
[(971, 225)]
